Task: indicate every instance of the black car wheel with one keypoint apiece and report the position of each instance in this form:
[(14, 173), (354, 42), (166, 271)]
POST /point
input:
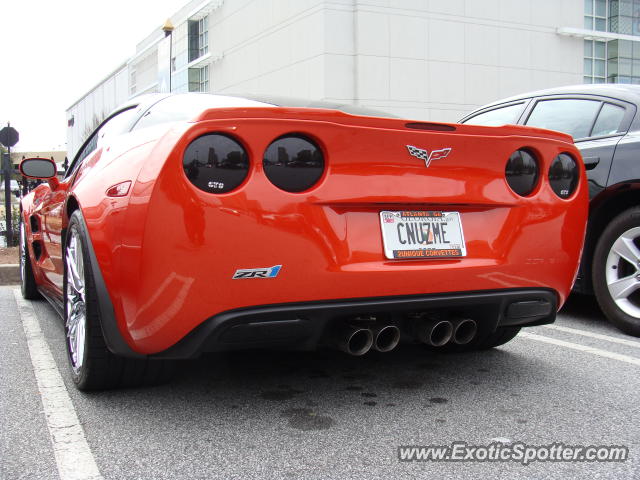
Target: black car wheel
[(27, 279), (616, 271), (93, 366)]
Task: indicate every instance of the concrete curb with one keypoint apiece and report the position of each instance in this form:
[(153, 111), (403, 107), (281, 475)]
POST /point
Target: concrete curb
[(10, 274)]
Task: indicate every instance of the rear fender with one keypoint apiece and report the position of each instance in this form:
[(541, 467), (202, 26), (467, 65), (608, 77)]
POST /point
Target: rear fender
[(110, 331), (106, 225)]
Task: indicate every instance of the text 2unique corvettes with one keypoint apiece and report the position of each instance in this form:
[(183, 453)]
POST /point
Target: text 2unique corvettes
[(194, 223)]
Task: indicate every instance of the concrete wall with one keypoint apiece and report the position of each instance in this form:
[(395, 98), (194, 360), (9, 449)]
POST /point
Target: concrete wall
[(421, 59), (270, 47), (424, 59), (439, 59), (144, 69), (95, 106)]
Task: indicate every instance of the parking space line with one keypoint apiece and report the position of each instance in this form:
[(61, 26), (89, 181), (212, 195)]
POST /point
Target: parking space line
[(73, 455), (599, 336), (583, 348)]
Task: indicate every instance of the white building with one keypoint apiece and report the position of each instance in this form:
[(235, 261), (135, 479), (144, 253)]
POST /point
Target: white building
[(420, 59)]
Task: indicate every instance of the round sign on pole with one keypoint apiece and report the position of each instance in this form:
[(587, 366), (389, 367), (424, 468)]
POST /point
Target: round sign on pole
[(9, 136)]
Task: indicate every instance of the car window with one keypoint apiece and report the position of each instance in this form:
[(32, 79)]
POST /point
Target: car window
[(178, 108), (499, 116), (572, 116), (609, 120), (116, 125), (88, 148)]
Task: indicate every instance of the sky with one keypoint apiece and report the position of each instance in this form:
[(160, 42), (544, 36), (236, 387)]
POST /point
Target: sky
[(53, 52)]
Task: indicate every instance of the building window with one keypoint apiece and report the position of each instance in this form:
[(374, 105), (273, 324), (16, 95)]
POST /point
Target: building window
[(204, 78), (198, 38), (623, 63), (132, 83), (199, 79), (595, 61), (624, 16), (623, 56), (613, 61), (595, 15), (203, 36)]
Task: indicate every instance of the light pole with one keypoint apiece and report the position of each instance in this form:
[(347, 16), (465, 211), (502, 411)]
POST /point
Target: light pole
[(8, 137), (167, 28)]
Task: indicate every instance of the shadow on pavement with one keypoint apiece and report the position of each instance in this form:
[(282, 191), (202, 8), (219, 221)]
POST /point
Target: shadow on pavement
[(584, 309)]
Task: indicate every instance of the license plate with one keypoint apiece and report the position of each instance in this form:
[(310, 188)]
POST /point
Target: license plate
[(422, 234)]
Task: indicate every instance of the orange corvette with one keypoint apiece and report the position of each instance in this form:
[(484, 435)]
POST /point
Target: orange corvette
[(194, 223)]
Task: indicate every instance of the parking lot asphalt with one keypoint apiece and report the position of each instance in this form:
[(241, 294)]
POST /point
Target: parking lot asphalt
[(326, 415)]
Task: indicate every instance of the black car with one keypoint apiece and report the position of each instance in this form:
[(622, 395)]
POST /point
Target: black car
[(603, 122)]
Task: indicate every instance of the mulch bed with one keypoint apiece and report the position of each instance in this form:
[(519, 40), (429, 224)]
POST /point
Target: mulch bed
[(8, 255)]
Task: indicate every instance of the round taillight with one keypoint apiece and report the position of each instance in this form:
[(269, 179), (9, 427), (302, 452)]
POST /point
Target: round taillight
[(522, 172), (563, 175), (293, 163), (216, 163)]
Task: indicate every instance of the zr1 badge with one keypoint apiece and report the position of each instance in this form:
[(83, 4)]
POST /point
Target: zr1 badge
[(257, 272)]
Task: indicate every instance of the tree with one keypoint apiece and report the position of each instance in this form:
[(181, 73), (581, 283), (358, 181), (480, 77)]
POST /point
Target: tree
[(89, 128)]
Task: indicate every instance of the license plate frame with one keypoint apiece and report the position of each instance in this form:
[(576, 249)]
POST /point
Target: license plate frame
[(422, 234)]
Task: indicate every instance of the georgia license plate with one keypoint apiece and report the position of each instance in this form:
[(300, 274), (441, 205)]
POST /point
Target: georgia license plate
[(422, 234)]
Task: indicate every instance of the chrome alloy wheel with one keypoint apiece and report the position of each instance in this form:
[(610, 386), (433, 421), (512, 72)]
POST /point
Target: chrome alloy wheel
[(76, 312), (23, 253), (623, 272)]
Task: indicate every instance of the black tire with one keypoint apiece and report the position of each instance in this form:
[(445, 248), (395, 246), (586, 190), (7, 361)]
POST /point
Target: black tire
[(28, 285), (624, 312), (93, 366), (496, 338)]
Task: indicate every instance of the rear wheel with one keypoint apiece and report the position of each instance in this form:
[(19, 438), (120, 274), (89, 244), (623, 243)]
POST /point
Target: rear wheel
[(27, 279), (616, 271), (93, 366)]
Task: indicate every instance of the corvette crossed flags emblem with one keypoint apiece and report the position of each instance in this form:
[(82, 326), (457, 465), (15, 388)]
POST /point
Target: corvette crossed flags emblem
[(426, 156)]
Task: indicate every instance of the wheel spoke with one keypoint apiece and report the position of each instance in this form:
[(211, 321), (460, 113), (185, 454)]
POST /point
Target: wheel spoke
[(80, 332), (75, 266), (72, 336), (76, 315), (72, 320), (23, 253), (74, 280), (624, 287), (625, 248)]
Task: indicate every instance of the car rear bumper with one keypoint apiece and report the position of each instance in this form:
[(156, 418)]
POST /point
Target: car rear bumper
[(308, 325)]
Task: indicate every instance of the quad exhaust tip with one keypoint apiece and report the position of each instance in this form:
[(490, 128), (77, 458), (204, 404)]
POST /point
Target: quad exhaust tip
[(353, 340), (464, 331), (386, 338), (437, 333), (434, 332), (357, 341)]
